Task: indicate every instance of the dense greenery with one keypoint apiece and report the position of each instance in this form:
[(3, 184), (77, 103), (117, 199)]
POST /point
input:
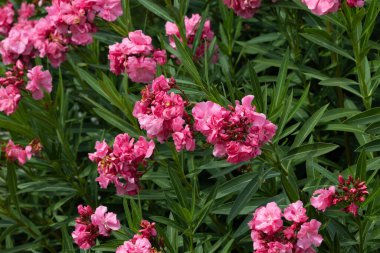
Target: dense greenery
[(315, 77)]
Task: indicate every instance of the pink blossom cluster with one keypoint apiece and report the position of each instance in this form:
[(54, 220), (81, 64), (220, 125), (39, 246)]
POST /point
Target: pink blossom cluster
[(137, 57), (119, 165), (352, 193), (270, 235), (323, 7), (140, 243), (90, 225), (191, 26), (237, 133), (244, 8), (68, 22), (39, 81), (6, 18), (162, 114)]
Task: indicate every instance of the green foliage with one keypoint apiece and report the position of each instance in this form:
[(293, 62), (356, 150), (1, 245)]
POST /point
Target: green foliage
[(315, 77)]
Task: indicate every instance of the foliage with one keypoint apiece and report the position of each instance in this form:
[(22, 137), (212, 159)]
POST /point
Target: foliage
[(316, 78)]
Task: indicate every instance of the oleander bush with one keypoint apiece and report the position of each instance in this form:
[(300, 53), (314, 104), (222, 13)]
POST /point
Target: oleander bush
[(152, 126)]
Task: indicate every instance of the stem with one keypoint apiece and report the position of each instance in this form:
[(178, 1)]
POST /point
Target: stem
[(361, 236)]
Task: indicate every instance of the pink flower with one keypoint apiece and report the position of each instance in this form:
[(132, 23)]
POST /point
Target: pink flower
[(136, 56), (39, 81), (160, 56), (244, 8), (238, 133), (6, 18), (323, 198), (141, 70), (308, 235), (26, 11), (108, 10), (106, 221), (9, 98), (267, 219), (191, 26), (16, 152), (148, 229), (121, 163), (83, 236), (295, 212), (184, 139), (322, 7), (352, 208), (356, 3), (102, 149), (138, 244), (278, 247)]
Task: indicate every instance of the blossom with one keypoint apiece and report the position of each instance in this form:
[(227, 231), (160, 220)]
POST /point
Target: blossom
[(39, 81), (356, 3), (191, 26), (6, 18), (267, 219), (138, 244), (244, 8), (162, 114), (237, 133), (106, 221), (322, 7), (308, 235), (90, 225), (270, 234), (323, 198), (295, 212), (121, 162), (136, 56), (16, 152), (26, 11), (9, 99), (108, 10)]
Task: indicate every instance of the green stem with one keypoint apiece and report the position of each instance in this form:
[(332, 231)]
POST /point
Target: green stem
[(361, 236)]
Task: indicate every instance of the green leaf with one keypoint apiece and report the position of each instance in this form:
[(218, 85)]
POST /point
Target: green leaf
[(343, 128), (310, 150), (369, 116), (67, 241), (361, 167), (281, 83), (178, 188), (257, 92), (156, 9), (308, 127), (372, 146), (323, 42), (374, 128), (243, 198), (290, 187)]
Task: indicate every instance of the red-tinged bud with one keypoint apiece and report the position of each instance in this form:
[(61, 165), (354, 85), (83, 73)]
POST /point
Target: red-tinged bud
[(19, 65), (345, 188), (365, 192), (341, 179), (353, 190), (361, 199), (350, 179)]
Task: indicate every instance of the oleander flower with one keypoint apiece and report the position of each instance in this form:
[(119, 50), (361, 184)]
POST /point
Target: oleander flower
[(238, 133), (323, 198), (15, 152), (39, 81), (322, 7), (244, 8)]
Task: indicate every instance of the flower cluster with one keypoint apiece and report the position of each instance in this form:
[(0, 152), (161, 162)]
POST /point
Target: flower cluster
[(237, 133), (191, 26), (15, 152), (67, 22), (39, 81), (90, 225), (244, 8), (137, 57), (121, 162), (162, 114), (6, 18), (322, 7), (352, 192), (140, 242), (269, 234)]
